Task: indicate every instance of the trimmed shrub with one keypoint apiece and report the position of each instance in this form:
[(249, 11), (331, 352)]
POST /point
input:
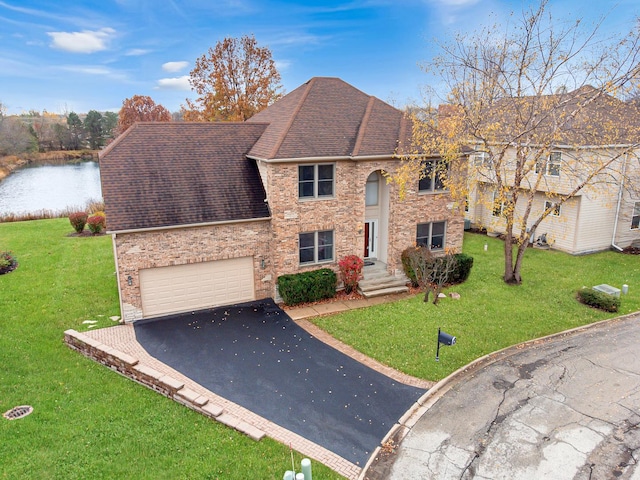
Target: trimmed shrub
[(351, 271), (462, 271), (78, 220), (600, 300), (8, 263), (96, 223), (307, 286)]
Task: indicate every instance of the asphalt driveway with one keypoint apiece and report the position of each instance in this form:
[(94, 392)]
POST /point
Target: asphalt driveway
[(254, 355)]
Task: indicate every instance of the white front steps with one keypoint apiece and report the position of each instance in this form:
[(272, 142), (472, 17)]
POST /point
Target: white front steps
[(377, 281)]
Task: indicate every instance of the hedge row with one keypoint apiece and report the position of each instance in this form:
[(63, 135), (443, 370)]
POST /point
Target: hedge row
[(307, 286)]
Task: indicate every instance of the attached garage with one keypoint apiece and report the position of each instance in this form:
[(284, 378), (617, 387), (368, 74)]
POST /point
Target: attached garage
[(195, 286)]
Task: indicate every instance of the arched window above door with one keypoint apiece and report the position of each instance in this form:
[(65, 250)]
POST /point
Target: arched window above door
[(372, 189)]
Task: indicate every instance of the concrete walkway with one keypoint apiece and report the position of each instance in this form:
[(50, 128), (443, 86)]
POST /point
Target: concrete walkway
[(562, 407)]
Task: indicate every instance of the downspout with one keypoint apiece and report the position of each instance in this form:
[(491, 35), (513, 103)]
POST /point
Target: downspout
[(615, 224)]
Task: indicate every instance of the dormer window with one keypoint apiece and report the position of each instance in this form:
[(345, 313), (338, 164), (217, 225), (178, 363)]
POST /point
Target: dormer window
[(316, 181)]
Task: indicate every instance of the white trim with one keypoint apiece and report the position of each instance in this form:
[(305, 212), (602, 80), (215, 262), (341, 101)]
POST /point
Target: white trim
[(353, 158)]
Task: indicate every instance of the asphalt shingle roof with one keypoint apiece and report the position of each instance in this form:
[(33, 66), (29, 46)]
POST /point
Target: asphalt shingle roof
[(176, 173), (170, 174), (327, 117)]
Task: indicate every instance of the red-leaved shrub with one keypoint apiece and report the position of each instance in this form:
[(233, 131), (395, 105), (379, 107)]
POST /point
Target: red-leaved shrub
[(96, 223), (78, 220), (351, 272)]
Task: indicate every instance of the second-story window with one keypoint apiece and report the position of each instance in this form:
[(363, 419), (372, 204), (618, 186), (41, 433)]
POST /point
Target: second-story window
[(552, 167), (435, 171), (316, 181)]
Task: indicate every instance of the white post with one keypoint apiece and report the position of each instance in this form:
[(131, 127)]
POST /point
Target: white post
[(306, 468)]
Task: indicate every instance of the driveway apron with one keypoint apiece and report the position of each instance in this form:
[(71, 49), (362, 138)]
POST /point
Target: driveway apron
[(254, 355)]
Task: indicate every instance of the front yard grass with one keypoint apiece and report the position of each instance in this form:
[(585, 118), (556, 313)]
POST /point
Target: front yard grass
[(490, 315), (89, 422)]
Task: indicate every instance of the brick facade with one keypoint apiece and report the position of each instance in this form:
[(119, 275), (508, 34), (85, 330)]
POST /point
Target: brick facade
[(274, 243), (180, 246), (345, 214)]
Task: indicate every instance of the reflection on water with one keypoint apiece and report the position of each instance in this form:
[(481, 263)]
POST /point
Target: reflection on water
[(50, 187)]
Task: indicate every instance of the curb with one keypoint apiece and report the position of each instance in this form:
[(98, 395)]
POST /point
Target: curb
[(400, 430)]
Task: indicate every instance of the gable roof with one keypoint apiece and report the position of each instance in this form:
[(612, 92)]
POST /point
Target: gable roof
[(174, 173), (585, 116), (327, 117)]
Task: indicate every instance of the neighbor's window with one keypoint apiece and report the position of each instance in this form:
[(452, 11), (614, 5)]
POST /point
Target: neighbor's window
[(315, 181), (481, 159), (431, 235), (498, 206), (315, 247), (553, 164), (555, 208), (635, 220), (435, 171)]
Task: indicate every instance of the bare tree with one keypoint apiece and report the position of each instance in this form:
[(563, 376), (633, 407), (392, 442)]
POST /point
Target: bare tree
[(515, 96), (431, 272)]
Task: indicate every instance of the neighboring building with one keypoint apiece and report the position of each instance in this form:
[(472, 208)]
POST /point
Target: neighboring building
[(596, 218), (207, 214)]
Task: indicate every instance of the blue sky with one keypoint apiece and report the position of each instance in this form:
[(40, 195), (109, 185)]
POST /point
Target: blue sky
[(81, 55)]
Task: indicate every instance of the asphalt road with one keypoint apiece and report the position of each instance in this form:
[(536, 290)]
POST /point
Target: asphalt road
[(566, 407)]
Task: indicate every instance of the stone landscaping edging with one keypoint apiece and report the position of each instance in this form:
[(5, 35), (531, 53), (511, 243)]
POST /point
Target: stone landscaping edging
[(166, 385)]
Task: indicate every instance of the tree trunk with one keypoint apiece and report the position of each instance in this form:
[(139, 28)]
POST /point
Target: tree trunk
[(436, 295), (511, 268), (426, 294)]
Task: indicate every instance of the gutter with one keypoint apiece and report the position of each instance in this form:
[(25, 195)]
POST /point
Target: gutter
[(353, 158), (620, 190), (187, 225)]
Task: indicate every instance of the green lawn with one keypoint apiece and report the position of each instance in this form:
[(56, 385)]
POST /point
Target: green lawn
[(490, 314), (88, 421)]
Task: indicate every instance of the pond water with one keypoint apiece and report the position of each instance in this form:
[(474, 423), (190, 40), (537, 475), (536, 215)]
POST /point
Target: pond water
[(50, 187)]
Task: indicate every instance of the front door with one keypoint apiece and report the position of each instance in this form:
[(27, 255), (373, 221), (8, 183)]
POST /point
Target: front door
[(371, 239)]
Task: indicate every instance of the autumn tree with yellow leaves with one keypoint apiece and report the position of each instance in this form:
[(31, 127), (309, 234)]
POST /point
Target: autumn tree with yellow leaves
[(234, 80), (517, 95)]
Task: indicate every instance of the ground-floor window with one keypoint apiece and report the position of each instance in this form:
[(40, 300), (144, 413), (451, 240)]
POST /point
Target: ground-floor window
[(431, 235), (635, 219), (316, 247), (555, 208)]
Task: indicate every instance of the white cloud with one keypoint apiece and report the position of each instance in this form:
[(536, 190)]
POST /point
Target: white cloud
[(174, 66), (86, 41), (282, 65), (97, 70), (136, 52), (177, 83)]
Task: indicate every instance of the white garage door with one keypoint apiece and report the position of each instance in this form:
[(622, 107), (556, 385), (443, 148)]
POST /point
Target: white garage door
[(195, 286)]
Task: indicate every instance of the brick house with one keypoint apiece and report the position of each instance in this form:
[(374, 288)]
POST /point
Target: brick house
[(207, 214)]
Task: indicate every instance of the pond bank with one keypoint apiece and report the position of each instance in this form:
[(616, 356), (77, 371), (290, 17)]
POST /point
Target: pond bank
[(11, 163)]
